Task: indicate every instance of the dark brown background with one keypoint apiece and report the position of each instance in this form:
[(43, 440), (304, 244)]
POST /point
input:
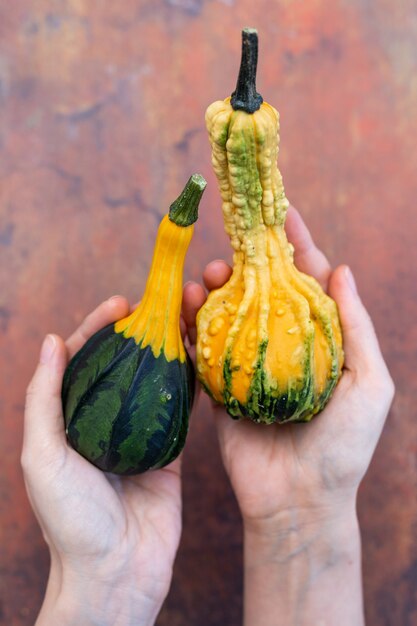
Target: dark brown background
[(101, 122)]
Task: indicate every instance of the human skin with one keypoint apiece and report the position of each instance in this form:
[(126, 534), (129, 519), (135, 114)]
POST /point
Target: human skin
[(112, 539), (296, 485)]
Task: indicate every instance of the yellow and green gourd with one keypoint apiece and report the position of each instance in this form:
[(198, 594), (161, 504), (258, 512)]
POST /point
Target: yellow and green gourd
[(127, 394), (269, 341)]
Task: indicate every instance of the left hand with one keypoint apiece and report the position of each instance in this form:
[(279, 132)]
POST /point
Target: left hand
[(112, 539)]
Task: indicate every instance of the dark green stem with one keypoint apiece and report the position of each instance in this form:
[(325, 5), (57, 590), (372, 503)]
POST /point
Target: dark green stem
[(184, 211), (245, 97)]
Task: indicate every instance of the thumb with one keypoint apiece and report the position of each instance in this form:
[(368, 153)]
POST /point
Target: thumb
[(362, 351), (44, 423)]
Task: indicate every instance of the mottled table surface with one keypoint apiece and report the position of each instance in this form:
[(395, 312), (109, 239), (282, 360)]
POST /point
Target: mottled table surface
[(101, 122)]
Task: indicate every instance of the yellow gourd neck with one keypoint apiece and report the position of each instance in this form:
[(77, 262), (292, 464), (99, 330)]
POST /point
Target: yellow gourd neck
[(155, 322)]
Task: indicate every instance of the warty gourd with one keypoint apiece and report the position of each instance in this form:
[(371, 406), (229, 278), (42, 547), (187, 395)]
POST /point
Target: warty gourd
[(269, 341)]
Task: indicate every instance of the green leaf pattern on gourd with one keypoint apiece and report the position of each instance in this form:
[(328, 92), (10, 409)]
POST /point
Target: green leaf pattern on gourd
[(155, 428), (88, 365), (131, 413)]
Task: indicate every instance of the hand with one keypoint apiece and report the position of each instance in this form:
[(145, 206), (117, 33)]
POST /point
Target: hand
[(112, 539), (276, 467), (296, 483)]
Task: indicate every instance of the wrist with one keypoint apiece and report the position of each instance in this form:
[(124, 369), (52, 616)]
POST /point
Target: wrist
[(326, 534), (76, 597), (303, 516), (303, 567)]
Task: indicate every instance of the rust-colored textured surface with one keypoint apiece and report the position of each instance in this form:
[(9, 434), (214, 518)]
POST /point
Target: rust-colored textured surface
[(101, 122)]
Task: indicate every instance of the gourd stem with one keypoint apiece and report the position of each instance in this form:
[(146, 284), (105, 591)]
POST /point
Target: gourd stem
[(245, 97), (184, 210)]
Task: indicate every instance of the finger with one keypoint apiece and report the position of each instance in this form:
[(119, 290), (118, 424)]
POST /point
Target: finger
[(183, 327), (193, 299), (216, 274), (133, 307), (362, 351), (308, 258), (44, 429), (224, 423), (109, 311)]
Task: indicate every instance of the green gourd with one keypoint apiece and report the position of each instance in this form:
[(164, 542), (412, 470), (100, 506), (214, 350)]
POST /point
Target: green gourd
[(127, 394)]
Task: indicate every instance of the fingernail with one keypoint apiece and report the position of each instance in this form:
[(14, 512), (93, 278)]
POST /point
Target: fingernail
[(48, 348), (113, 298), (351, 280)]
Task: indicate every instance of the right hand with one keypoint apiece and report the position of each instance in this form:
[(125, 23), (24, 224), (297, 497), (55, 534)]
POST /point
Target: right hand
[(312, 468)]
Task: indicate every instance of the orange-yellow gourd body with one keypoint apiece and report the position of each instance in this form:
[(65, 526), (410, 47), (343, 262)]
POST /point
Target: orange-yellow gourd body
[(269, 341)]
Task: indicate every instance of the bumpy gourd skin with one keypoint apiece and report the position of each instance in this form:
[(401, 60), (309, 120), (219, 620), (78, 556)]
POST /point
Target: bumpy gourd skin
[(269, 341)]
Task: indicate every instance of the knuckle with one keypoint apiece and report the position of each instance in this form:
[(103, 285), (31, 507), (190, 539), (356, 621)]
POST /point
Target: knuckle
[(361, 324), (366, 318), (351, 327), (304, 247), (26, 461), (379, 384), (87, 325), (31, 391), (43, 461), (390, 387), (87, 320), (83, 329)]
